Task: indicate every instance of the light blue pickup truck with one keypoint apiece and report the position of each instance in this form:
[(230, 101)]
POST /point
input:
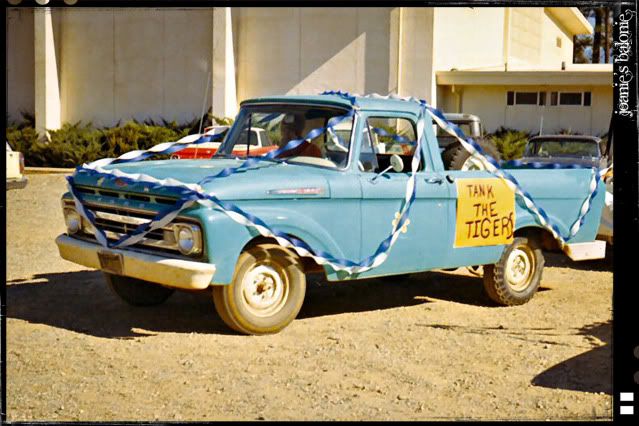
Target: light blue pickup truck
[(335, 203)]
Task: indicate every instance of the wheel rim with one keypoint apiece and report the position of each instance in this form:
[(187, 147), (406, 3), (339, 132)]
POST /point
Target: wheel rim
[(265, 290), (472, 163), (519, 268)]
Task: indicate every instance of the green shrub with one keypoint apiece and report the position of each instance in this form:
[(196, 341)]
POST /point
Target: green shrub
[(510, 142), (75, 144)]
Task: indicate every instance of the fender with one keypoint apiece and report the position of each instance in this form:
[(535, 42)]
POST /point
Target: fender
[(225, 238)]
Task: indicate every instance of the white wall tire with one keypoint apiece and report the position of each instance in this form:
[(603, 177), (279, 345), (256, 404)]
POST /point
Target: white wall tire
[(266, 293), (515, 278)]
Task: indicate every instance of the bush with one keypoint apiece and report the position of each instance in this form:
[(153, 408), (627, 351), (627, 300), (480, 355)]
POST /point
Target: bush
[(75, 144), (510, 142)]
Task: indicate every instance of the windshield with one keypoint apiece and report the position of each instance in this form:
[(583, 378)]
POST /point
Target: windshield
[(273, 126), (562, 148)]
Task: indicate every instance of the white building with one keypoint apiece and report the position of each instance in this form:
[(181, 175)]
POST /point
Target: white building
[(510, 66)]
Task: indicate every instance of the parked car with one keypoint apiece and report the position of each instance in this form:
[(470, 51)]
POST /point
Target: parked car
[(259, 144), (15, 169), (342, 204), (564, 149), (454, 156)]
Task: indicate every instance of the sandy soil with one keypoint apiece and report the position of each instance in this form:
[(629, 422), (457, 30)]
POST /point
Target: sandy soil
[(434, 347)]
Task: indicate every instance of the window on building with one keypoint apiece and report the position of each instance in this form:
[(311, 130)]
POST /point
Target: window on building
[(553, 98), (526, 98), (542, 98), (558, 42), (587, 98), (510, 98), (570, 98)]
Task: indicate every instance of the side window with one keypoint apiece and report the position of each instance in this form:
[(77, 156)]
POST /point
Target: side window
[(384, 136)]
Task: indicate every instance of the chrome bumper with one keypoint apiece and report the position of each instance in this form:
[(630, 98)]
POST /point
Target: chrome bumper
[(177, 273)]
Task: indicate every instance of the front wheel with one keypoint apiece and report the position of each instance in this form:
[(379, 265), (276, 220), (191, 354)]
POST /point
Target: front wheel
[(515, 278), (266, 293), (137, 292)]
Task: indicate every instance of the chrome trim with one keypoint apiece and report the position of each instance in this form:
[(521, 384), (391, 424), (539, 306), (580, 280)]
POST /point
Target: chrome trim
[(120, 218)]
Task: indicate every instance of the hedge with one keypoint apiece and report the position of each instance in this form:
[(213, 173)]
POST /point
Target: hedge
[(78, 143)]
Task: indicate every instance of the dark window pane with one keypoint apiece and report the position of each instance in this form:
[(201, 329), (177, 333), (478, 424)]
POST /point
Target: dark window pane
[(570, 98), (553, 98), (526, 98), (510, 99), (542, 98), (587, 100)]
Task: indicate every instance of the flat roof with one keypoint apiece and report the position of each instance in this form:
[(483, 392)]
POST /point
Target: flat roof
[(526, 78)]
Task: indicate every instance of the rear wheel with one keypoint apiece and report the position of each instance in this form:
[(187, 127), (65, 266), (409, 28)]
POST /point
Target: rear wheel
[(515, 278), (266, 293), (137, 292)]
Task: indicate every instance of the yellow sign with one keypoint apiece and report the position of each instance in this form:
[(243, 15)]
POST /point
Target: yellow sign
[(485, 213)]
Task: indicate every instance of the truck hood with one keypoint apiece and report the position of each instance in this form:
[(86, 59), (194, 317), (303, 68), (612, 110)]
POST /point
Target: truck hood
[(266, 180)]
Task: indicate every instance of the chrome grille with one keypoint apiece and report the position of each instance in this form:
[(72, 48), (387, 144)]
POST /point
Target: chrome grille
[(116, 222)]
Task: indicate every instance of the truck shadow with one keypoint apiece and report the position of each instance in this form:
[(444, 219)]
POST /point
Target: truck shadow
[(330, 298), (590, 371), (562, 261), (82, 302)]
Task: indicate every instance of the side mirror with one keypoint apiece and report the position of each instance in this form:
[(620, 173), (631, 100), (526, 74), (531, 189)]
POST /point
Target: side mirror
[(396, 164)]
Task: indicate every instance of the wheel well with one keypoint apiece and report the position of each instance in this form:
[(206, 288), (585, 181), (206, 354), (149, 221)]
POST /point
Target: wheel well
[(544, 237), (308, 264)]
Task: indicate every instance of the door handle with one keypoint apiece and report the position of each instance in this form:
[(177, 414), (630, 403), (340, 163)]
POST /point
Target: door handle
[(436, 180)]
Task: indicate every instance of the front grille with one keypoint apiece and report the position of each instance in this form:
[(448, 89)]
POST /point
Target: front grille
[(116, 222)]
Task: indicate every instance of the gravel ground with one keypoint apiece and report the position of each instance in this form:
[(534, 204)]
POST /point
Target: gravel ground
[(434, 347)]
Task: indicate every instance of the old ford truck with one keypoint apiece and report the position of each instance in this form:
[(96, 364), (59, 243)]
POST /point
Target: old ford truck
[(341, 196)]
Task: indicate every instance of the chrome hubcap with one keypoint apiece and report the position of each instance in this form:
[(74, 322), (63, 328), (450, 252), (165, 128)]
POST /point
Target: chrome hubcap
[(264, 290), (519, 268)]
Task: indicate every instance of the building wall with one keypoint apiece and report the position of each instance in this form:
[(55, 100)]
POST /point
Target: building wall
[(526, 25), (489, 103), (467, 38), (20, 66), (416, 74), (120, 64), (554, 33), (309, 50)]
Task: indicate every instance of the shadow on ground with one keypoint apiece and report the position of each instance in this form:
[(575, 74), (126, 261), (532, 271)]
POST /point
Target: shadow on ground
[(562, 261), (587, 372), (82, 302)]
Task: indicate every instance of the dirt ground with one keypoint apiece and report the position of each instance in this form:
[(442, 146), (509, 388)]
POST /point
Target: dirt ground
[(432, 348)]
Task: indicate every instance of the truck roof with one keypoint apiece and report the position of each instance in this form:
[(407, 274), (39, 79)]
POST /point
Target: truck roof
[(371, 104)]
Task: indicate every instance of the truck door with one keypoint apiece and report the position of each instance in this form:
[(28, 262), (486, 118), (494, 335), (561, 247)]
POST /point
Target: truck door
[(424, 243)]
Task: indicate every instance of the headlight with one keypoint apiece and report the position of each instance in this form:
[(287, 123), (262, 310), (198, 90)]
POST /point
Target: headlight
[(189, 238), (73, 220)]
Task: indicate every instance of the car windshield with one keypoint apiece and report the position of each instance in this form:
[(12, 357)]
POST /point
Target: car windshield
[(465, 127), (272, 126), (562, 148)]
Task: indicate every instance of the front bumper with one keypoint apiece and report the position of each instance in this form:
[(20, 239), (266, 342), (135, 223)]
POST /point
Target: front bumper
[(17, 183), (176, 273)]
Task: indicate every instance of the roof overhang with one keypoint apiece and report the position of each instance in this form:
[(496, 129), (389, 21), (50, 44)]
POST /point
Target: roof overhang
[(572, 19), (524, 78)]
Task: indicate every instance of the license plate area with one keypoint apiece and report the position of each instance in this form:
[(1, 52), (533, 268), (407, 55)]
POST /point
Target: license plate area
[(110, 262)]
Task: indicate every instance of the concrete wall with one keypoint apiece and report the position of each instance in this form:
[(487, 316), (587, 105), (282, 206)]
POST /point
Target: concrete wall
[(20, 66), (489, 103), (309, 50), (526, 25), (416, 75), (468, 38), (134, 63), (552, 33)]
